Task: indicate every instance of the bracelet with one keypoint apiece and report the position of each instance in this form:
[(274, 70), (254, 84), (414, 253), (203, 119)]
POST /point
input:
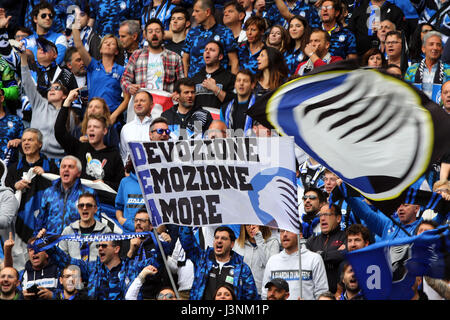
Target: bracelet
[(218, 91)]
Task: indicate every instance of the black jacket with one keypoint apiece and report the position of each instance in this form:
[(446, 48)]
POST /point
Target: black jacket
[(327, 246), (105, 164), (195, 114), (358, 24)]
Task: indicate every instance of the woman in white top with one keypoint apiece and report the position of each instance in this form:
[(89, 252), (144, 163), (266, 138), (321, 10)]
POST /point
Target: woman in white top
[(257, 244)]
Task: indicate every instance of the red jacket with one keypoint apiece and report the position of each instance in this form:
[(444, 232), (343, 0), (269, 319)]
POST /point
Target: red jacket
[(318, 63)]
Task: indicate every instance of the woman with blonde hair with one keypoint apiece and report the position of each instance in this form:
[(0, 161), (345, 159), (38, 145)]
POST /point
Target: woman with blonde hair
[(257, 244), (98, 106), (103, 77)]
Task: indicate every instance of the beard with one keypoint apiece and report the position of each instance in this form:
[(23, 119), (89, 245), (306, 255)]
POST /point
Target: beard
[(155, 46)]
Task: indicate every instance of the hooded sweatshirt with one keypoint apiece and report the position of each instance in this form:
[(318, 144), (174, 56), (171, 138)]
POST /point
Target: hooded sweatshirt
[(286, 266)]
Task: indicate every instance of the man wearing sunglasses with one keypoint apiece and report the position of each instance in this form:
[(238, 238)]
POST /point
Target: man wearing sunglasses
[(86, 225), (313, 199), (43, 17), (159, 130)]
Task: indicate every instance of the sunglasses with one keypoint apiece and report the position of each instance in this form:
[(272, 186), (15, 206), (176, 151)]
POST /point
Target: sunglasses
[(45, 15), (102, 245), (87, 205), (57, 88), (161, 131), (140, 220), (167, 296), (312, 197)]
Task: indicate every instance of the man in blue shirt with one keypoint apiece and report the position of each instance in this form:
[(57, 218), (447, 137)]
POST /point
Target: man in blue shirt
[(197, 38)]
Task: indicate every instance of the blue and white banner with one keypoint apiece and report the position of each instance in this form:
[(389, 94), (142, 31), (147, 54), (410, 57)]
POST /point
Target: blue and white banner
[(50, 240), (222, 181), (388, 270)]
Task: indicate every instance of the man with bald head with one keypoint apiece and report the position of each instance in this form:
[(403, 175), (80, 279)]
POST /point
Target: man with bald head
[(9, 284), (217, 129), (445, 96)]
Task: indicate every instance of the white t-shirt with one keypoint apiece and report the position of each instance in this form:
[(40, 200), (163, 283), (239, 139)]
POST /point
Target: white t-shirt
[(155, 71)]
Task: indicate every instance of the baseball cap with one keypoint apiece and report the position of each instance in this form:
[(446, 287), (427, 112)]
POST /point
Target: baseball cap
[(279, 283)]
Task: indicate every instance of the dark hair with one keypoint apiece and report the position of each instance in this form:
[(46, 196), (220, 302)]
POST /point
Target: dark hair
[(259, 22), (394, 33), (23, 29), (356, 229), (306, 33), (148, 94), (236, 4), (188, 82), (182, 10), (68, 55), (41, 6), (325, 34), (206, 4), (158, 120), (319, 192), (88, 195), (229, 287), (372, 52), (336, 208), (248, 73), (227, 229), (278, 70), (327, 294), (64, 89), (219, 44), (285, 38), (154, 20), (431, 223)]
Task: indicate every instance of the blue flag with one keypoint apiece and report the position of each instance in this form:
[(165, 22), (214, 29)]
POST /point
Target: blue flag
[(387, 270)]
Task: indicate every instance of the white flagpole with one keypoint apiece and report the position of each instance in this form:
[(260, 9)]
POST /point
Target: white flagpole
[(300, 278), (166, 265)]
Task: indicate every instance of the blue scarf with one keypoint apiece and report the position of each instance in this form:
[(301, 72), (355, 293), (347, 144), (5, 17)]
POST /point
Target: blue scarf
[(229, 114)]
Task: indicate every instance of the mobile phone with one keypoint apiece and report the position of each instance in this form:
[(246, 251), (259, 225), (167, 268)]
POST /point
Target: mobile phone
[(84, 92), (33, 289)]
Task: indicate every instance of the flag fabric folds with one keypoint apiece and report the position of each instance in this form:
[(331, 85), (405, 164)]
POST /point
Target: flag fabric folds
[(387, 270), (376, 132)]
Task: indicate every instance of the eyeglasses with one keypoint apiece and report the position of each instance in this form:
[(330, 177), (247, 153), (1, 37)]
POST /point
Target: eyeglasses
[(102, 245), (45, 15), (161, 131), (55, 88), (388, 43), (312, 197), (140, 220), (326, 7), (161, 296), (326, 214), (87, 205)]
